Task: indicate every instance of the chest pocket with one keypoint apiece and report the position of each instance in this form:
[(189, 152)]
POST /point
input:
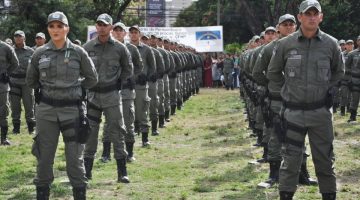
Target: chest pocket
[(73, 70), (293, 68), (112, 68), (356, 61), (45, 71), (323, 70)]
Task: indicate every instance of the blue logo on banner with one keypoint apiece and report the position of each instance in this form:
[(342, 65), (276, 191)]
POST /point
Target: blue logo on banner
[(208, 35)]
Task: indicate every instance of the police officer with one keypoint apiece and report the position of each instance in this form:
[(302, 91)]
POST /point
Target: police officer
[(307, 64), (40, 40), (345, 83), (342, 45), (227, 71), (142, 100), (352, 64), (8, 63), (18, 88), (58, 71), (172, 76), (113, 64)]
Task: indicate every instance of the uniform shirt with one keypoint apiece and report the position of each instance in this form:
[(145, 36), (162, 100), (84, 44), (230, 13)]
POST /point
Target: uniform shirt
[(228, 65), (352, 65), (160, 66), (136, 59), (306, 68), (60, 78), (8, 63), (112, 61), (24, 55), (148, 59), (166, 58)]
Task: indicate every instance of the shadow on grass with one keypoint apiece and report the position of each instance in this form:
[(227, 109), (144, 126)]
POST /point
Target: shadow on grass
[(243, 176), (227, 157), (246, 195)]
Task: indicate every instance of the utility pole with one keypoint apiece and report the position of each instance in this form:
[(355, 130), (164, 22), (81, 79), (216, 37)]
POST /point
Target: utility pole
[(218, 13)]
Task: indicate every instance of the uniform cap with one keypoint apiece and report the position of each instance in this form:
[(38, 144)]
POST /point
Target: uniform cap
[(349, 41), (166, 39), (341, 42), (58, 16), (105, 18), (135, 27), (270, 28), (153, 35), (262, 34), (40, 34), (358, 38), (145, 37), (19, 32), (286, 17), (307, 4), (121, 25), (255, 37)]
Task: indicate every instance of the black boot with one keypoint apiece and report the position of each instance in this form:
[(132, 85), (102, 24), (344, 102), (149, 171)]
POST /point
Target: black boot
[(197, 90), (4, 140), (105, 157), (130, 150), (259, 134), (88, 162), (265, 154), (352, 116), (286, 195), (179, 104), (154, 130), (167, 115), (79, 193), (122, 172), (162, 121), (31, 126), (304, 176), (173, 109), (329, 196), (42, 193), (348, 109), (342, 110), (16, 126), (145, 140), (274, 172)]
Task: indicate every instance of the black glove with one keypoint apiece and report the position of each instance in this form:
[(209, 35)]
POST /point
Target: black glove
[(118, 84), (84, 126), (329, 101), (141, 80), (37, 95), (4, 78), (130, 84)]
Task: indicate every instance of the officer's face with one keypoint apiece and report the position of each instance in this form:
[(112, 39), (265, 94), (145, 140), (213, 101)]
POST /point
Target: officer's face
[(102, 29), (58, 31), (19, 40), (343, 47), (39, 41), (119, 33), (160, 43), (270, 36), (134, 35), (286, 28), (349, 46), (153, 41), (310, 20)]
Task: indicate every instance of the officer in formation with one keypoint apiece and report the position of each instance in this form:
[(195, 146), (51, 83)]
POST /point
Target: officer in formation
[(9, 63), (40, 40), (59, 71), (113, 63), (19, 91), (306, 65)]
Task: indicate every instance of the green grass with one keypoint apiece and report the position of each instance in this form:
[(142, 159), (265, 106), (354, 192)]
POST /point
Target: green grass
[(202, 154)]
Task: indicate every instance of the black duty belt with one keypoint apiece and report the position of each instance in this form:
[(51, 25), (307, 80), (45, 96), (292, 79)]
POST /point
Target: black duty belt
[(355, 75), (274, 97), (58, 102), (304, 106), (17, 75), (104, 89)]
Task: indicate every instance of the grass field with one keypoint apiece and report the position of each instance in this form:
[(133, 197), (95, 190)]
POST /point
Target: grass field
[(202, 154)]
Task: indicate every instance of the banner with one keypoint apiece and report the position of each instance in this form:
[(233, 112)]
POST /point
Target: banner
[(203, 39), (155, 13)]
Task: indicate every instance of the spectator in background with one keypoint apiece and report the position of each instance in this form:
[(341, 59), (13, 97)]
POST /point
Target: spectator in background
[(207, 71)]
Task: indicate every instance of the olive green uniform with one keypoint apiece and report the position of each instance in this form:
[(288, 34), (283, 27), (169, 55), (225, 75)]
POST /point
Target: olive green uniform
[(307, 69), (8, 63), (19, 90), (60, 80), (352, 65), (167, 69), (228, 69)]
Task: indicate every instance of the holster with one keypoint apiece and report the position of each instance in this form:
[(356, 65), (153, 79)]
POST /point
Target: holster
[(83, 131)]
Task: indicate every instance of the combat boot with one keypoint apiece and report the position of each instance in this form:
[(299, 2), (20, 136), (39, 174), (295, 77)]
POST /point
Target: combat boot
[(105, 157), (274, 172), (122, 172), (88, 163), (329, 196), (259, 134), (342, 110), (352, 116), (130, 150), (162, 121), (145, 140), (286, 195), (179, 104), (304, 176), (4, 132), (31, 126), (265, 153), (16, 129), (335, 106), (42, 193), (173, 109), (154, 130), (79, 193), (167, 115)]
